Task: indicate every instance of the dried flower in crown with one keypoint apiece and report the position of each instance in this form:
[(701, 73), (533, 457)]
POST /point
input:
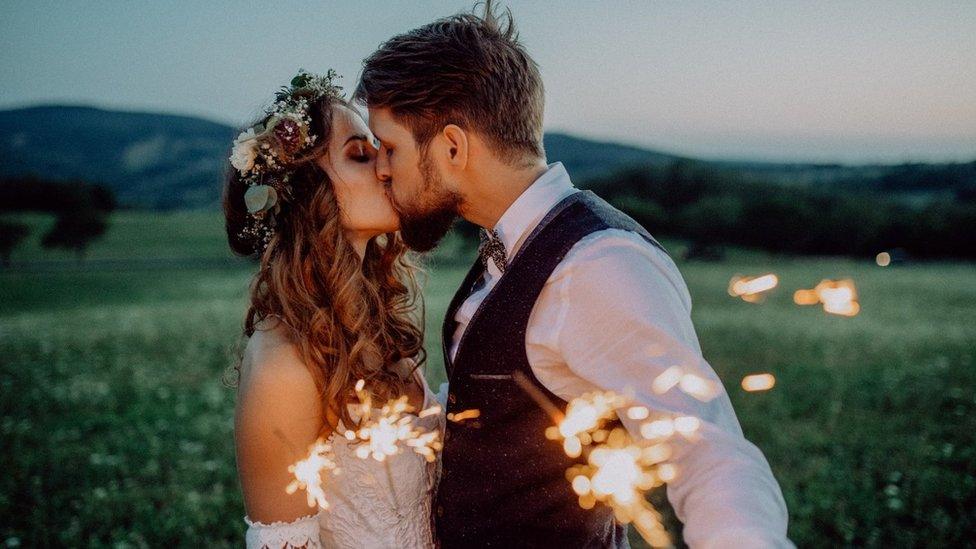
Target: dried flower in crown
[(263, 154)]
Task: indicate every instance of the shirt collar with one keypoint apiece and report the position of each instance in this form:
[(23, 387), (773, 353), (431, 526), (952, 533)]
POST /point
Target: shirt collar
[(532, 205)]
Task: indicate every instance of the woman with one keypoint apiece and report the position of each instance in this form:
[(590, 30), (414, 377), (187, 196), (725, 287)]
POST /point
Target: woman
[(332, 303)]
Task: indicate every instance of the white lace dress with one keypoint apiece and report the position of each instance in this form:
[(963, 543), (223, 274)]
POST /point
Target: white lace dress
[(372, 504)]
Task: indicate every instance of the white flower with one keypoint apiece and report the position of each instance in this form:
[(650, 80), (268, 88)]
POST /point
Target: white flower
[(245, 151)]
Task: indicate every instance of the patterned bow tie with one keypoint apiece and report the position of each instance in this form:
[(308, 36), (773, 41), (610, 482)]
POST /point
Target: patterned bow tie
[(492, 248)]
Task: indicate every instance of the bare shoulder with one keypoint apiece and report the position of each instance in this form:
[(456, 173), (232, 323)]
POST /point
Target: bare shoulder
[(270, 355), (275, 378)]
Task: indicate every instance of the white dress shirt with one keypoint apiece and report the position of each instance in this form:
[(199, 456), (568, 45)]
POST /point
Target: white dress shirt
[(614, 315)]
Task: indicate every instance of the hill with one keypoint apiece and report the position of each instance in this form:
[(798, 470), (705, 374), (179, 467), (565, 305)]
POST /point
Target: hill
[(163, 161), (149, 160)]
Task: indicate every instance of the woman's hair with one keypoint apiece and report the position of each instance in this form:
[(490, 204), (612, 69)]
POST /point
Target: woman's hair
[(350, 320)]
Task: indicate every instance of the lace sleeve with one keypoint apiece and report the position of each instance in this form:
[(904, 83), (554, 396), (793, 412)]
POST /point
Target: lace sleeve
[(301, 533)]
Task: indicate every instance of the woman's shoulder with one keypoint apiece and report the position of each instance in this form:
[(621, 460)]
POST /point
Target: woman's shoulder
[(272, 368), (270, 353)]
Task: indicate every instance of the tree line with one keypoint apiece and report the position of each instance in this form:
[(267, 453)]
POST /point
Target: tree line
[(711, 206), (82, 211)]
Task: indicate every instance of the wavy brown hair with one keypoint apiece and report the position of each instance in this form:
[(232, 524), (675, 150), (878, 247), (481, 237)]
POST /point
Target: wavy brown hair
[(350, 319)]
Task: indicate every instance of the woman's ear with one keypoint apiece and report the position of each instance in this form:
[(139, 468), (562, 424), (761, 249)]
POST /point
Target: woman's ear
[(457, 145)]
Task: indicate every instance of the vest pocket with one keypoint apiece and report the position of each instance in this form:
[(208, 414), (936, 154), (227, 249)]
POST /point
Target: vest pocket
[(490, 376)]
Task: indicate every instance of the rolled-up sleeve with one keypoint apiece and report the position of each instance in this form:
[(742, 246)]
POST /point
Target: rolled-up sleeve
[(619, 317)]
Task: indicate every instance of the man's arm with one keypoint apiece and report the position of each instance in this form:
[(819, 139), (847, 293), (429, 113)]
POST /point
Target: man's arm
[(620, 316)]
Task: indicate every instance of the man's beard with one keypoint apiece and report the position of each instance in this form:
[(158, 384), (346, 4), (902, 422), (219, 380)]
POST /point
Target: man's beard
[(423, 227)]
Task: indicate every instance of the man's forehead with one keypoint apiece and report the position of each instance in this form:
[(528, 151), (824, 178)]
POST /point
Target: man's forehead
[(382, 123)]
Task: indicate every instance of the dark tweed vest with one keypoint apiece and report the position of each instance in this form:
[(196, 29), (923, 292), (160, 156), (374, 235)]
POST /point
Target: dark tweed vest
[(503, 483)]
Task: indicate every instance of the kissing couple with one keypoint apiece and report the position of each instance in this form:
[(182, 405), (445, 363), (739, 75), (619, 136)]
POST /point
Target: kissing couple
[(568, 296)]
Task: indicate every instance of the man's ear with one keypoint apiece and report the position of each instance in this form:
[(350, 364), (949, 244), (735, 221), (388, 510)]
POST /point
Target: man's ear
[(457, 145)]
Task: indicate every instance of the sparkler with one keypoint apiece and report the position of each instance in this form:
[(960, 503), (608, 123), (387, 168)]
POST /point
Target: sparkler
[(752, 289), (618, 472), (382, 433), (308, 474), (838, 297), (584, 416), (380, 437)]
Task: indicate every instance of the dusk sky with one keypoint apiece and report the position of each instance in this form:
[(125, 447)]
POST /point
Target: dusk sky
[(884, 81)]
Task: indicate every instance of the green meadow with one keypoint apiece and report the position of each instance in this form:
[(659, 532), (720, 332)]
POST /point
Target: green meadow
[(116, 421)]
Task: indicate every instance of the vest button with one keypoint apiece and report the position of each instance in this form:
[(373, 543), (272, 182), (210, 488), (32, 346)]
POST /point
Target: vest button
[(451, 398), (440, 511)]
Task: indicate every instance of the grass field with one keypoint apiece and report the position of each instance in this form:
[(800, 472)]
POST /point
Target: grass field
[(117, 430)]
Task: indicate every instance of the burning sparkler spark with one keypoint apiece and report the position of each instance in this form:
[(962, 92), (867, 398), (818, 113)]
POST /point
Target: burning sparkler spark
[(458, 417), (308, 474), (380, 437), (752, 289), (584, 416), (667, 380), (618, 473), (758, 382), (838, 297), (692, 384), (382, 433)]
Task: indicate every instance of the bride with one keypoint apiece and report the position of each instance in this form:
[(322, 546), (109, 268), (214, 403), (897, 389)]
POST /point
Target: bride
[(332, 303)]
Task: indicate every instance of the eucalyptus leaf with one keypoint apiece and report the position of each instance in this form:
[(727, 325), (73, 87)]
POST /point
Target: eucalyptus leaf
[(260, 198)]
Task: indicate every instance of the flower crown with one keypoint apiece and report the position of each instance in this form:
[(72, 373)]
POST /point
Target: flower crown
[(264, 154)]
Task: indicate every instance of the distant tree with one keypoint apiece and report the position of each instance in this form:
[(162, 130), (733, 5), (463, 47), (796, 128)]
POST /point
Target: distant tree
[(23, 194), (76, 231), (649, 214), (711, 220), (966, 193), (11, 235), (102, 198)]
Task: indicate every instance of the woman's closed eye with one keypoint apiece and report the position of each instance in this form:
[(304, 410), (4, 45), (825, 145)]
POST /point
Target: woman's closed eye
[(360, 152)]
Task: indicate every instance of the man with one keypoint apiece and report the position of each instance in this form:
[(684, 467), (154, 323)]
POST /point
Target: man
[(569, 293)]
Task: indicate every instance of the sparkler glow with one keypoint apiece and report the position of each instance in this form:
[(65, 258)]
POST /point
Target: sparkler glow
[(308, 474), (472, 413), (692, 384), (381, 437), (758, 382), (838, 297), (752, 289), (584, 416), (618, 472), (382, 433)]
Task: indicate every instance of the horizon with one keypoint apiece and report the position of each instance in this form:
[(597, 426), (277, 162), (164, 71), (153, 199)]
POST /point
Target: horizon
[(876, 83), (550, 131)]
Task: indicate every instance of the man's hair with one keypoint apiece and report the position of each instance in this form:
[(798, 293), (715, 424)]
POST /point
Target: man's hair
[(466, 69)]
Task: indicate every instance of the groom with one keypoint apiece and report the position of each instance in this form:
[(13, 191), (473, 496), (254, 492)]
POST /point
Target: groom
[(568, 292)]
